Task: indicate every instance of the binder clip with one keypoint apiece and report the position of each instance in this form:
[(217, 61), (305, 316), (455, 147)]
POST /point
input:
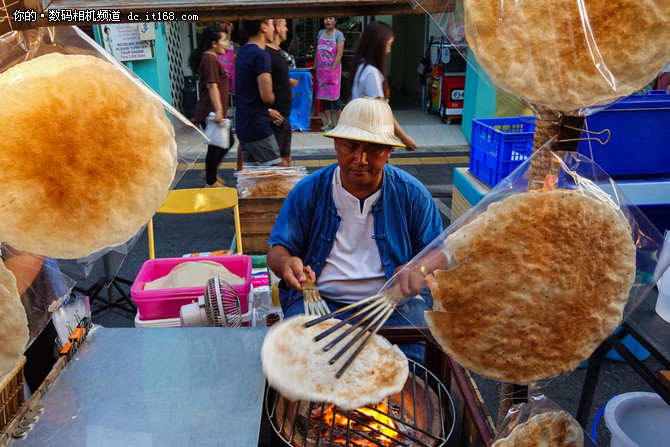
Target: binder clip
[(570, 129)]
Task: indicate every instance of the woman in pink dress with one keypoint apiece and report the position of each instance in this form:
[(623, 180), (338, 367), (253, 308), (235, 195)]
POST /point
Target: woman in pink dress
[(227, 59), (329, 50)]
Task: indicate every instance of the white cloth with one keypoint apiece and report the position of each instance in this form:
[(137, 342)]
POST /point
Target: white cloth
[(353, 269), (369, 81)]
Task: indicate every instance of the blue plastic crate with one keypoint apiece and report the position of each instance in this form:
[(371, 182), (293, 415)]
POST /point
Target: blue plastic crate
[(499, 145), (638, 147)]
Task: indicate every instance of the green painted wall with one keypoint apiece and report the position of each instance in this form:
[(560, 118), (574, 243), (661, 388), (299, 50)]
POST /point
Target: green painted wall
[(480, 97), (155, 72)]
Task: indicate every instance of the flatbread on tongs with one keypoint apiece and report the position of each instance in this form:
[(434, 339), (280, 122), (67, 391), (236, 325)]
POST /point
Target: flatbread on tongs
[(298, 367), (543, 279)]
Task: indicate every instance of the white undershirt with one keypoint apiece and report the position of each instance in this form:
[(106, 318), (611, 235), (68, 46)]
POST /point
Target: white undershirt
[(353, 269)]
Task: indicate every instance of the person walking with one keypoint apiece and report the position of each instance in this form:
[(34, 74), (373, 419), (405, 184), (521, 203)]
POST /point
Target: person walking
[(253, 72), (368, 71), (281, 87), (227, 59), (213, 86), (329, 50)]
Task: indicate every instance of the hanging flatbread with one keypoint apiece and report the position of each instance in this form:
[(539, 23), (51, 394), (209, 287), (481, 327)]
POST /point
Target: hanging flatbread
[(298, 368), (550, 429), (13, 322), (542, 280), (193, 274), (569, 55), (87, 156)]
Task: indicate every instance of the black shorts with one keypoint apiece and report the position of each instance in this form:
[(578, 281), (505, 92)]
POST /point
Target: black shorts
[(332, 105), (283, 136), (263, 152)]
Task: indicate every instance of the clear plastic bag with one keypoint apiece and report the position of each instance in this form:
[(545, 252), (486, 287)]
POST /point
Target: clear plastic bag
[(540, 411), (54, 279), (276, 181), (21, 46), (565, 56), (576, 174), (41, 285)]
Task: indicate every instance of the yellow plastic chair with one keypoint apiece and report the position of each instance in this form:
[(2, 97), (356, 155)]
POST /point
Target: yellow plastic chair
[(198, 200)]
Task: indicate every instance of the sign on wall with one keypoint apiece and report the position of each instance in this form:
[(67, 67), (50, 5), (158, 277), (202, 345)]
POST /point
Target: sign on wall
[(123, 41)]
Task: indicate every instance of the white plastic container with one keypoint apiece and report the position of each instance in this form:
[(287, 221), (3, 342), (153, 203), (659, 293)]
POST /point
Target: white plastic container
[(663, 301), (247, 320), (638, 419), (663, 284)]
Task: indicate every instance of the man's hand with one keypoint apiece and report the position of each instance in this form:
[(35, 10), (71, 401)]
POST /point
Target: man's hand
[(410, 278), (287, 267), (276, 117), (293, 273), (294, 82)]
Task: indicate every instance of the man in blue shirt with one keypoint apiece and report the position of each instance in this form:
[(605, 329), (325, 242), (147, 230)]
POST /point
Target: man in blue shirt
[(354, 223), (253, 92)]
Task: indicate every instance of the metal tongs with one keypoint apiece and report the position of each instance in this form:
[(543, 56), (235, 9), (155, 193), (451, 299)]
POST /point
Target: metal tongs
[(378, 308), (375, 310)]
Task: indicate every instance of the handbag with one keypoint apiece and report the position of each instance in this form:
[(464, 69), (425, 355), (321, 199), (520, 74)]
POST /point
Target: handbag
[(424, 68), (218, 133)]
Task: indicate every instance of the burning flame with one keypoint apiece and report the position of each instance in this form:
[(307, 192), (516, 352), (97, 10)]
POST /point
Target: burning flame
[(380, 424)]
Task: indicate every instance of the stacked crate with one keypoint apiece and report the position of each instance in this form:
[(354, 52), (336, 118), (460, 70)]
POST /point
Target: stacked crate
[(257, 217)]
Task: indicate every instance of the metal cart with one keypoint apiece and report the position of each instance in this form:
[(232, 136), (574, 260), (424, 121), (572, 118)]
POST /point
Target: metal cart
[(445, 92)]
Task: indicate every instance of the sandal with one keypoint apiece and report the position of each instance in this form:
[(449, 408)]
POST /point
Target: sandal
[(216, 185), (219, 179), (326, 127)]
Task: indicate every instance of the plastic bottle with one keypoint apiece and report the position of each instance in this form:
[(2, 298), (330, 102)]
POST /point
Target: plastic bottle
[(274, 289)]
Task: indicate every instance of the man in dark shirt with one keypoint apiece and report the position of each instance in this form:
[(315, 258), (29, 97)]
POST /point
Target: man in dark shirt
[(281, 87), (254, 94)]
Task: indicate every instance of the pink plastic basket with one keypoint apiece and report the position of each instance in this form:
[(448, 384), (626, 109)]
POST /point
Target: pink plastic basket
[(166, 303)]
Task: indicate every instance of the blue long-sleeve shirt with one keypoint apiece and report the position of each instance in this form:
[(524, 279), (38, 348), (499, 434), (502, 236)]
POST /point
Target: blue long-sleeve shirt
[(406, 220)]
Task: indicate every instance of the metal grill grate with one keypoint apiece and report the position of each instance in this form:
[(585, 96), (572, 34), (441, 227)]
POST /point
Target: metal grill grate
[(423, 413)]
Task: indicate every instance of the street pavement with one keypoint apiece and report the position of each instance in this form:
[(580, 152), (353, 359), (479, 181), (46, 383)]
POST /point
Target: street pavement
[(433, 165)]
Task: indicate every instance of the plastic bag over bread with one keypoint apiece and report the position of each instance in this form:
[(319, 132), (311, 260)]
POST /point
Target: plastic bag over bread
[(563, 55), (534, 281)]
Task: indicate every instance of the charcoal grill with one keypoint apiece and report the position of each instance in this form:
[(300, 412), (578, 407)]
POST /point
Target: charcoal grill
[(423, 413)]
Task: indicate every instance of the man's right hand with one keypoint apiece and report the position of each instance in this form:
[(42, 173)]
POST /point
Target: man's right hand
[(292, 273), (289, 268)]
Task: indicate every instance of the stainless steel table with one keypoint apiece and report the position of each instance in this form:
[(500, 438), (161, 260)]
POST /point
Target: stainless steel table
[(157, 387)]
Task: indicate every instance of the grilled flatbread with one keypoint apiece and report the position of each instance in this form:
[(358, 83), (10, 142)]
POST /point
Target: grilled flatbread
[(87, 156), (13, 322), (298, 368), (550, 429), (540, 50), (542, 280)]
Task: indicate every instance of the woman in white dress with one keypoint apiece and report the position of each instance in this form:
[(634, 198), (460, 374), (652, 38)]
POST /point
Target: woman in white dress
[(368, 70)]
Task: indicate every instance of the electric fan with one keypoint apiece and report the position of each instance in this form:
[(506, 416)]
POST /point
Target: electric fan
[(219, 307)]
